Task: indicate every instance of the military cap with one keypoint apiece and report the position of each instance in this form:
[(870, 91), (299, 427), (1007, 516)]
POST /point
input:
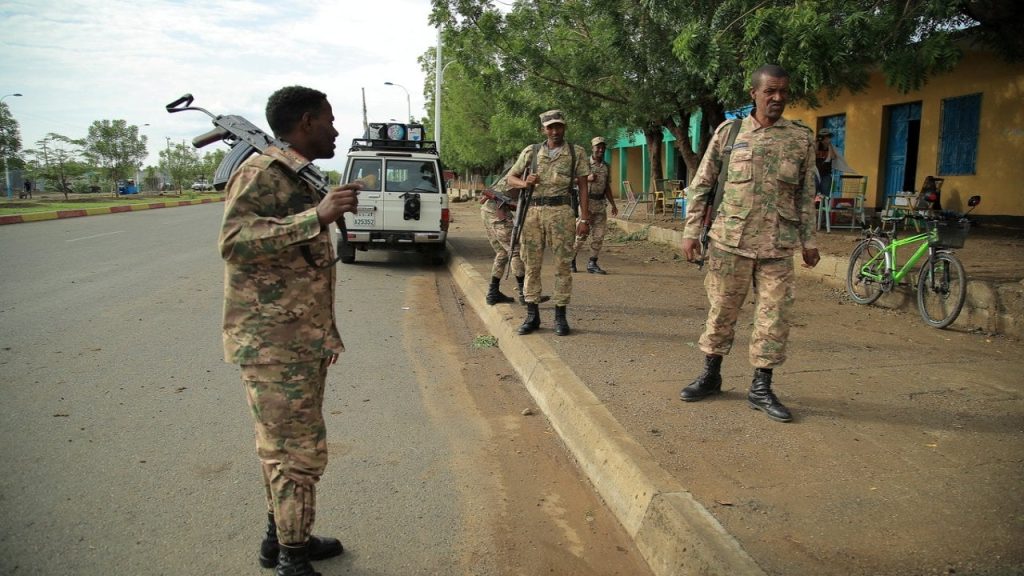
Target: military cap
[(552, 117), (597, 140)]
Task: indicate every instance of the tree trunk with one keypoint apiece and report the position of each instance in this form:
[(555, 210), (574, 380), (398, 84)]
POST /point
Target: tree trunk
[(654, 148)]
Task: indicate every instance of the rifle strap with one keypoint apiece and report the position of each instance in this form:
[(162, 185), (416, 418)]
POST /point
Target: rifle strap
[(734, 129)]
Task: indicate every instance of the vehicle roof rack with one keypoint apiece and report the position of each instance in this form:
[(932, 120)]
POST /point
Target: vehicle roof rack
[(424, 146)]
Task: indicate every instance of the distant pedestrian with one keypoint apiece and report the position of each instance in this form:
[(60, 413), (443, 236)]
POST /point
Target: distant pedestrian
[(28, 189), (553, 167), (600, 197), (766, 215), (279, 317)]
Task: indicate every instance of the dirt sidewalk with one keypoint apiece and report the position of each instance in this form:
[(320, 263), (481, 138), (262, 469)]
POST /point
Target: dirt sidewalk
[(907, 452)]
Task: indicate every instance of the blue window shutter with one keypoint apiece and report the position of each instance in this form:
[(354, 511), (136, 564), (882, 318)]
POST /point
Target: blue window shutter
[(958, 139)]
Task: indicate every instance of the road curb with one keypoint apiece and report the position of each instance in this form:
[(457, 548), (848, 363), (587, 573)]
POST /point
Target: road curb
[(675, 534), (991, 307), (60, 214)]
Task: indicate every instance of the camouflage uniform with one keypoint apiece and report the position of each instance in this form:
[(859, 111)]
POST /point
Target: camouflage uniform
[(553, 226), (766, 214), (279, 325), (598, 210), (498, 224)]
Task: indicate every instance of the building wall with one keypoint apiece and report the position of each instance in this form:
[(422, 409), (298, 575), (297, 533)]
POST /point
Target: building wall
[(999, 174)]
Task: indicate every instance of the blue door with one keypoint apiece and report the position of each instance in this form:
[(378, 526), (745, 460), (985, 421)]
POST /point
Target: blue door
[(901, 147)]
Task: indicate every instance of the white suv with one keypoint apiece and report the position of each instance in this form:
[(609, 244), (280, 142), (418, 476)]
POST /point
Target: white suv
[(407, 208)]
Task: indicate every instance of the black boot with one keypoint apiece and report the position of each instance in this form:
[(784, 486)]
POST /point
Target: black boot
[(561, 324), (762, 398), (494, 296), (708, 383), (318, 548), (593, 268), (532, 321), (294, 561), (573, 265)]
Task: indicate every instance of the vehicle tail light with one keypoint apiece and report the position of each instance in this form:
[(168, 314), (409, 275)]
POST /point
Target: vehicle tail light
[(444, 219)]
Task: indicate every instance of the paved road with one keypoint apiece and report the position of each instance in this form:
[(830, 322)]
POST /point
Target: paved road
[(127, 448)]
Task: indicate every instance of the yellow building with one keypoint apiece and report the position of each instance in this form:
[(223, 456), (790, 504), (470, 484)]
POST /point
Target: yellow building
[(965, 127)]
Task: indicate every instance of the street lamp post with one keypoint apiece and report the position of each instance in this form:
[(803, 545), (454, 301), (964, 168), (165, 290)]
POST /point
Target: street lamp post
[(7, 174), (408, 101)]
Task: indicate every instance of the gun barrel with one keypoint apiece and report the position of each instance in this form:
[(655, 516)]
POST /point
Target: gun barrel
[(215, 135)]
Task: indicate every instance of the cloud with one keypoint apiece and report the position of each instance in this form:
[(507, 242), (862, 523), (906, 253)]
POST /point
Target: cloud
[(80, 61)]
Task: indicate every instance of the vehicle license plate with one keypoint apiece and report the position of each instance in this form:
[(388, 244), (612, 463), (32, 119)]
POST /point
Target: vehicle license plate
[(364, 217)]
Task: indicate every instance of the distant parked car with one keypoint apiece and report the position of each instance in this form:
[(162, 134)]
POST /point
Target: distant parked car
[(202, 185)]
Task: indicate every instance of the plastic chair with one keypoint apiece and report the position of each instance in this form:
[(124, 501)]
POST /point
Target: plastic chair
[(849, 202), (679, 206)]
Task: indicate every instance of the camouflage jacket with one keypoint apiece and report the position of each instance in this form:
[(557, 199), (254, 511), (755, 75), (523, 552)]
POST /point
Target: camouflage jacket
[(278, 309), (767, 208), (555, 179), (599, 186)]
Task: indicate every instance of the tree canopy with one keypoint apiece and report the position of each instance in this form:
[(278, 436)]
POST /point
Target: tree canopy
[(116, 147), (650, 66)]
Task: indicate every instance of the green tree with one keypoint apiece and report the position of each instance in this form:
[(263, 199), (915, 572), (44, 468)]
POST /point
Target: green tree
[(58, 161), (652, 65), (116, 148), (10, 140), (181, 163)]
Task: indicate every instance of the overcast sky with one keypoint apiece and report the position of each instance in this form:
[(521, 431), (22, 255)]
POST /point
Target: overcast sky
[(78, 61)]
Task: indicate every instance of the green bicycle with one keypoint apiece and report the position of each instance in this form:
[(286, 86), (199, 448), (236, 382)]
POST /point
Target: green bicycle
[(941, 284)]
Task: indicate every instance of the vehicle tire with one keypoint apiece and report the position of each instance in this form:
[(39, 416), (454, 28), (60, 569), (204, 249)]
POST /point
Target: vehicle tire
[(941, 290), (346, 252), (868, 253)]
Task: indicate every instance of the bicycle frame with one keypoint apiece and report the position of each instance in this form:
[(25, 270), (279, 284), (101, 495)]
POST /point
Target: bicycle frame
[(892, 269)]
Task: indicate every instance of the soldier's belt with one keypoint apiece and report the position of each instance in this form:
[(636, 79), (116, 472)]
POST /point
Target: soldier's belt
[(550, 201), (598, 197)]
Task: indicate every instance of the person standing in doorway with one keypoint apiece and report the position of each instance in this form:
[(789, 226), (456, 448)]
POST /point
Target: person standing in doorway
[(766, 215), (279, 317), (553, 167), (600, 197)]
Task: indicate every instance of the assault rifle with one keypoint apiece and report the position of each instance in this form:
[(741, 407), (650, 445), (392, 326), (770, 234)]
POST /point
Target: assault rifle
[(525, 195), (712, 205), (246, 139)]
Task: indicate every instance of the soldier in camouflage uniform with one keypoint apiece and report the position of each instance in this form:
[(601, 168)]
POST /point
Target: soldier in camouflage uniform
[(497, 219), (766, 214), (549, 218), (279, 318), (600, 194)]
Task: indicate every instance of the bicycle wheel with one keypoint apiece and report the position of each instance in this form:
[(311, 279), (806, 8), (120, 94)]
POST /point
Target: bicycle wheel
[(941, 290), (866, 257)]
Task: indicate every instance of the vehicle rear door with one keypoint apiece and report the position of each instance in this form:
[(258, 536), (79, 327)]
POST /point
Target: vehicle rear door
[(370, 215), (407, 180)]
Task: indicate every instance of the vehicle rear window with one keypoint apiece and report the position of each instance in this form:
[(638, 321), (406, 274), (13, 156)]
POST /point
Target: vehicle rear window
[(412, 176), (367, 171)]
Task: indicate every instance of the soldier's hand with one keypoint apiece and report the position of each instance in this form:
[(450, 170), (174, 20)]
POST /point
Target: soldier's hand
[(582, 228), (691, 249), (532, 179), (811, 257), (615, 210), (342, 199)]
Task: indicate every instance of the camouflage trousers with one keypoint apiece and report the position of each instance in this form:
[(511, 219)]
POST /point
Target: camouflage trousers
[(291, 440), (498, 226), (727, 283), (552, 226), (598, 229)]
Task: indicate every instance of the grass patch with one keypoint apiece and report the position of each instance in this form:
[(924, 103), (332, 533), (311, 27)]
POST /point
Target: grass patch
[(485, 341), (13, 207)]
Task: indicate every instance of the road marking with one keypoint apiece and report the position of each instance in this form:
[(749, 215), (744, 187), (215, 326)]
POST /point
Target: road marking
[(95, 236)]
